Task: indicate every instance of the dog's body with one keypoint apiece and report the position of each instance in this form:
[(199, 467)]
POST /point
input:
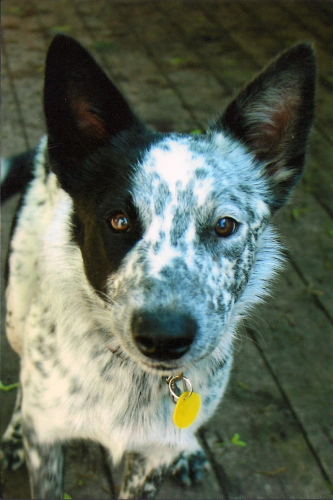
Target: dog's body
[(134, 257)]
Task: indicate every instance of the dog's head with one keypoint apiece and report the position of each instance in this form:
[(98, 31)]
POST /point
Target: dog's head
[(174, 229)]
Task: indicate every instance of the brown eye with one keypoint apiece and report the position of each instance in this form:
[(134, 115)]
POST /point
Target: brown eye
[(225, 226), (120, 223)]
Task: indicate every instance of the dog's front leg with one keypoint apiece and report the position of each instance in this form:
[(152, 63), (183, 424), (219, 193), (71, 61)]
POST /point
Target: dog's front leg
[(45, 465), (143, 475)]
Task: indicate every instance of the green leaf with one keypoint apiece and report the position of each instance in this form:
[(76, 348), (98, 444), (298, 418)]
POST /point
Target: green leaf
[(243, 385), (103, 45), (230, 62), (60, 29), (296, 213), (196, 131), (175, 61), (66, 497), (9, 387), (236, 440)]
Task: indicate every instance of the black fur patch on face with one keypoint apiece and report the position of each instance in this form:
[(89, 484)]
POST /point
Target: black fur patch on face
[(95, 142), (105, 189)]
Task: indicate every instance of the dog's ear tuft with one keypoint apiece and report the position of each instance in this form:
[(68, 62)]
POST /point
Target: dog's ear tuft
[(83, 109), (272, 116)]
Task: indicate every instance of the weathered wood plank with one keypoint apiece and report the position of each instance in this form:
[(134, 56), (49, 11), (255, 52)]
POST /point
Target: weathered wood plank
[(310, 19), (261, 43), (326, 9), (212, 44), (26, 54), (318, 172), (310, 244), (170, 57), (276, 462), (85, 473), (136, 72), (13, 132), (290, 27), (298, 346)]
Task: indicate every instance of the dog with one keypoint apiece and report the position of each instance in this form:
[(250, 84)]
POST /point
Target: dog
[(134, 258)]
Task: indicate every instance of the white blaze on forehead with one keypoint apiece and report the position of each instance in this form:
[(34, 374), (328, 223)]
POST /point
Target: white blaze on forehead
[(175, 163)]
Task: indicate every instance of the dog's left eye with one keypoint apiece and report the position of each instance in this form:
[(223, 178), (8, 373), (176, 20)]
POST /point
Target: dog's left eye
[(119, 222), (226, 226)]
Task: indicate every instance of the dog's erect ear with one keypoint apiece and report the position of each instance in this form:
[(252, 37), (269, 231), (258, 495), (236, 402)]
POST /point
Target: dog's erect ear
[(83, 109), (272, 116)]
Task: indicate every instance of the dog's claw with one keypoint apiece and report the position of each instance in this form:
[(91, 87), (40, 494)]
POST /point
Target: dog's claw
[(190, 468)]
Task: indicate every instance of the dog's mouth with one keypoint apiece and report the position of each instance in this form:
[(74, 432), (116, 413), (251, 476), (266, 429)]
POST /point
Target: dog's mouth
[(158, 367), (163, 369)]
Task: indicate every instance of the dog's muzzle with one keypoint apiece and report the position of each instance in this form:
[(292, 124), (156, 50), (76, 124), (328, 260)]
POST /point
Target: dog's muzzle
[(163, 335)]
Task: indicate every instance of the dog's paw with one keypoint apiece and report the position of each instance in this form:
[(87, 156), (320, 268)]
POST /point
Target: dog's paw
[(190, 468), (11, 455), (12, 451)]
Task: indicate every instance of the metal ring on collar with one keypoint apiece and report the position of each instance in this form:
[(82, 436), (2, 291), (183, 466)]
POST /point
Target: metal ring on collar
[(186, 386)]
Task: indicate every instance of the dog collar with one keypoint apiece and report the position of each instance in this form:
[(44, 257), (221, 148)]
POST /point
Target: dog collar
[(187, 402)]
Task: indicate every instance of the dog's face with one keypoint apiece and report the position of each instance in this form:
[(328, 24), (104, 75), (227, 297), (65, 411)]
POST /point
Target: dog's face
[(173, 229), (198, 228)]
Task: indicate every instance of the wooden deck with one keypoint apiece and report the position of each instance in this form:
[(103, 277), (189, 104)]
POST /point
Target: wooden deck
[(178, 63)]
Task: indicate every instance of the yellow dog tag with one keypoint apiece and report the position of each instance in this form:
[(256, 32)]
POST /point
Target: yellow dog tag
[(187, 409)]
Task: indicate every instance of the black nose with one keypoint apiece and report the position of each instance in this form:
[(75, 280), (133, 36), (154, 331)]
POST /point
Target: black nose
[(163, 335)]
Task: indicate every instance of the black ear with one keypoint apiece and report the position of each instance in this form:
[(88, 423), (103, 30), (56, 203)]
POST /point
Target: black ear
[(272, 116), (83, 109)]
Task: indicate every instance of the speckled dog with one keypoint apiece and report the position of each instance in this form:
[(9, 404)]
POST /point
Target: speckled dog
[(134, 257)]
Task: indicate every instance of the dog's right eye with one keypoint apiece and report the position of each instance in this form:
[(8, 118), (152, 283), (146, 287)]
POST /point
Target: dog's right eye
[(226, 227), (119, 222)]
